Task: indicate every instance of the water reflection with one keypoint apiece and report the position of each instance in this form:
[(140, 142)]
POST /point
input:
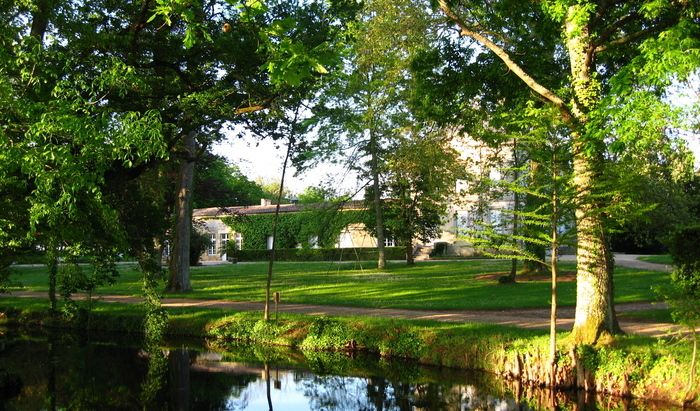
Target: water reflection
[(61, 371)]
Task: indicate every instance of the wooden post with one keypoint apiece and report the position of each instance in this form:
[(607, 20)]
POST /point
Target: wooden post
[(277, 301)]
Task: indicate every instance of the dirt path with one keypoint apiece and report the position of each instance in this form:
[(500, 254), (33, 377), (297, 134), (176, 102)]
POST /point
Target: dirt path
[(524, 318), (631, 261)]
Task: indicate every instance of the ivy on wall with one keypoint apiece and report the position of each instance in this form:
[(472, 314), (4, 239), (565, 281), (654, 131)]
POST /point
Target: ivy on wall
[(294, 228)]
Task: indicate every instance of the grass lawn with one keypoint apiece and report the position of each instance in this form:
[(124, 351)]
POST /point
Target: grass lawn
[(427, 285), (658, 259)]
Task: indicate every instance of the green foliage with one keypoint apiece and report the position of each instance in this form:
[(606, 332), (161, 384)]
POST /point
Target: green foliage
[(199, 241), (303, 227), (219, 184), (326, 334), (316, 254), (684, 293), (422, 172)]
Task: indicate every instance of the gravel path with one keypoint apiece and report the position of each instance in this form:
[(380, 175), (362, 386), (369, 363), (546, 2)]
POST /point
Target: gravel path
[(524, 318)]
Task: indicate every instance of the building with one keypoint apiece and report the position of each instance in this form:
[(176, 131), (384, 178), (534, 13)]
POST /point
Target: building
[(211, 220), (466, 211)]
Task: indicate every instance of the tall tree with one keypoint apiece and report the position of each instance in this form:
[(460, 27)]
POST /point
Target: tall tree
[(366, 105), (225, 60), (218, 183), (62, 139), (614, 52), (422, 173)]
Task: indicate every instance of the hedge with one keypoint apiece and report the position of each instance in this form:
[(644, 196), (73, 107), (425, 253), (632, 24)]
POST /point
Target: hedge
[(316, 254)]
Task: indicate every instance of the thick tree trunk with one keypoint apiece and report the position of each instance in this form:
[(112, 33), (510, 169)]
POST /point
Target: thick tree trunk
[(179, 280), (595, 313), (40, 19)]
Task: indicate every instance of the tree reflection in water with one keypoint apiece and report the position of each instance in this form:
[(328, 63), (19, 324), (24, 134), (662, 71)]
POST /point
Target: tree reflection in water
[(70, 373)]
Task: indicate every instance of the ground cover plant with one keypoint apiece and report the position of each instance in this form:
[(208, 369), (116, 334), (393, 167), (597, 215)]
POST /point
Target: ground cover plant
[(448, 285)]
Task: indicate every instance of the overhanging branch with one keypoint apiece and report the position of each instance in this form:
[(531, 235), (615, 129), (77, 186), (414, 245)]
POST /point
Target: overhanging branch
[(512, 65)]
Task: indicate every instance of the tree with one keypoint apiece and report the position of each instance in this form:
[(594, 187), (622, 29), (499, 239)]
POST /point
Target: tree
[(316, 195), (614, 52), (218, 183), (362, 111), (271, 188), (233, 60), (422, 173), (683, 295), (62, 141)]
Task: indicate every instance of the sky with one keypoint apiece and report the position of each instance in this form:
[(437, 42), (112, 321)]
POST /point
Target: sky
[(263, 159)]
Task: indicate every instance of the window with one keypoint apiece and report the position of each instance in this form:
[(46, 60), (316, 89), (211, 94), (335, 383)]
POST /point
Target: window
[(389, 242), (223, 243), (238, 238), (211, 250), (166, 248)]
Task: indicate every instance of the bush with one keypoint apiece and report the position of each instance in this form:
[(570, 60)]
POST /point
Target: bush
[(684, 246), (685, 279), (199, 241), (316, 254)]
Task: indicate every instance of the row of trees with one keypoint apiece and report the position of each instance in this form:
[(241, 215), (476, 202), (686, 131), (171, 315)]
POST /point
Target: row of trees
[(107, 108)]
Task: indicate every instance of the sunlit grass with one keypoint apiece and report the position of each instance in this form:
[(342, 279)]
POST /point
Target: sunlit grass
[(657, 259), (427, 285)]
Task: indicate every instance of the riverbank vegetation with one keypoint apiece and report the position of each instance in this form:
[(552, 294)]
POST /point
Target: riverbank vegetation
[(627, 366)]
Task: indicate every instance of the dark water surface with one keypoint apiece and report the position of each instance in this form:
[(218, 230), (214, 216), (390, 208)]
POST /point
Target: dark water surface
[(68, 371)]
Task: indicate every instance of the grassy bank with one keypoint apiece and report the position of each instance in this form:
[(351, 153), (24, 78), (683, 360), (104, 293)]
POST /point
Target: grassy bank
[(657, 259), (632, 366), (459, 285)]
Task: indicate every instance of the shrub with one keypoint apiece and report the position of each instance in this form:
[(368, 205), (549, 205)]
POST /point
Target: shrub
[(316, 254)]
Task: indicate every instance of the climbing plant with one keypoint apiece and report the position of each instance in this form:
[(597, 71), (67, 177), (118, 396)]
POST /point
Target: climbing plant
[(319, 227)]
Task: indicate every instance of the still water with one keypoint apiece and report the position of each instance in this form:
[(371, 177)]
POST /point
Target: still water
[(68, 371)]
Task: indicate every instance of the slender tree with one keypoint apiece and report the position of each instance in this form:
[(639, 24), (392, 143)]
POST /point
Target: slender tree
[(364, 109)]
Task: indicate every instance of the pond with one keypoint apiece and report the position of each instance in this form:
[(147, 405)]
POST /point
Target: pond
[(69, 371)]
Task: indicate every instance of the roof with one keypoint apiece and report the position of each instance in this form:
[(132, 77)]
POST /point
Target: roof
[(213, 212)]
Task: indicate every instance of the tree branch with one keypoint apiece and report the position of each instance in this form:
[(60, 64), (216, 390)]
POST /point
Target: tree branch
[(641, 34), (512, 65), (612, 28)]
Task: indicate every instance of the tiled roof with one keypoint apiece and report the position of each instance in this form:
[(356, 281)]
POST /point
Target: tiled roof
[(268, 209)]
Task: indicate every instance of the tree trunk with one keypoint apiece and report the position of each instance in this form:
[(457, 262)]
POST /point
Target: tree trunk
[(554, 222), (40, 19), (377, 200), (179, 280), (52, 263), (595, 313), (409, 252), (266, 312)]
